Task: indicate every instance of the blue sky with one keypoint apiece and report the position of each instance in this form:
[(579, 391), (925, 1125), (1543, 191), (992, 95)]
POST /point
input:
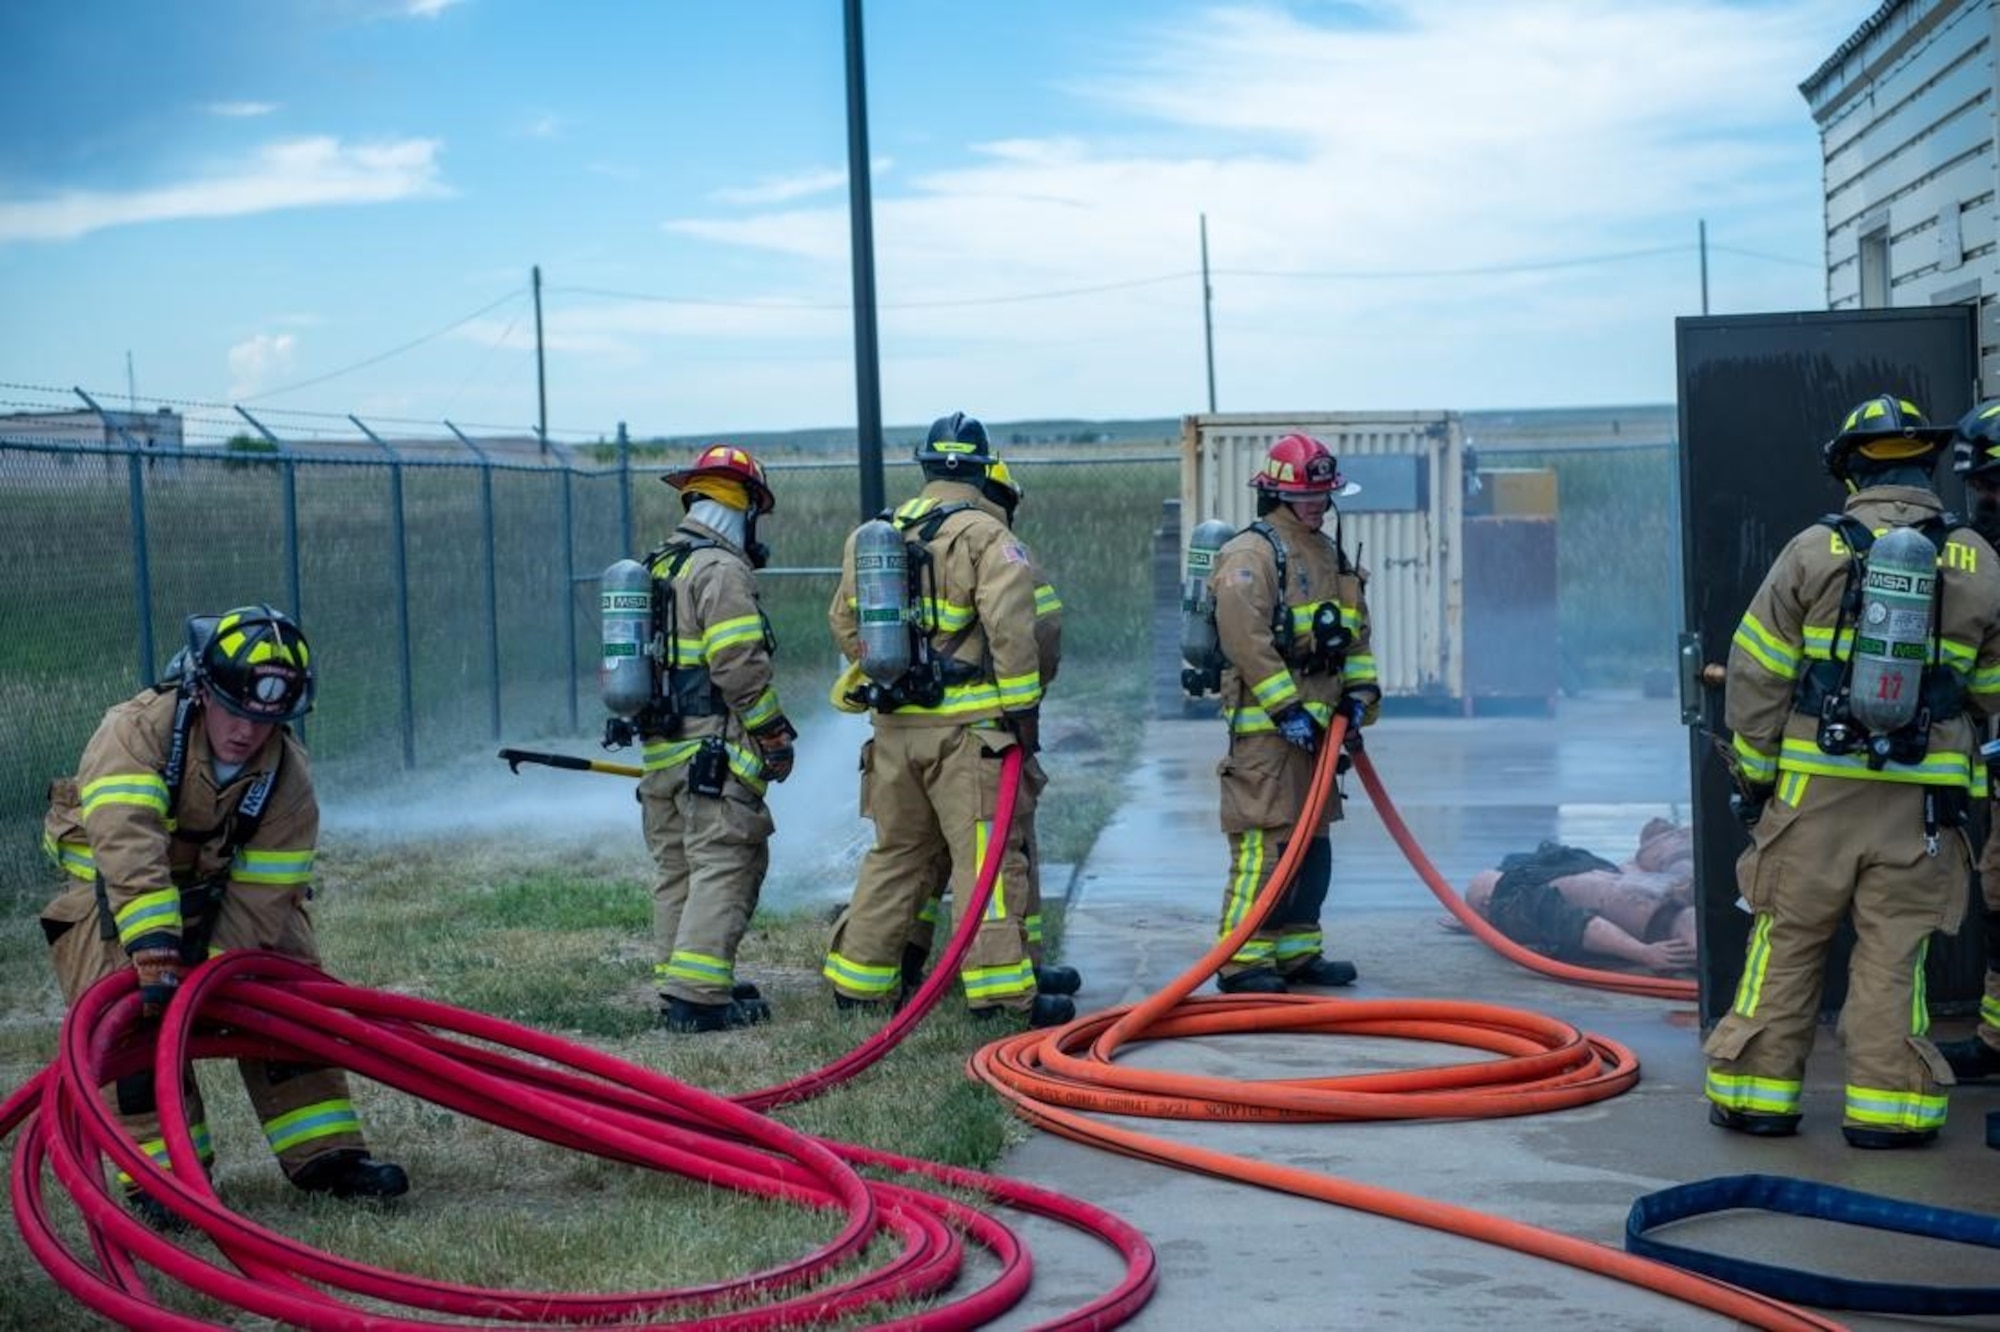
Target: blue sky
[(334, 205)]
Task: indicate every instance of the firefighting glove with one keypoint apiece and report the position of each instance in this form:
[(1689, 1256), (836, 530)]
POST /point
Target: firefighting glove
[(1747, 803), (1353, 707), (1027, 727), (159, 976), (774, 744), (1296, 725)]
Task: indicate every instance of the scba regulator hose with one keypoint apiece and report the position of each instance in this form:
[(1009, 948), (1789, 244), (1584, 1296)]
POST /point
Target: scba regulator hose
[(264, 1006), (1060, 1079)]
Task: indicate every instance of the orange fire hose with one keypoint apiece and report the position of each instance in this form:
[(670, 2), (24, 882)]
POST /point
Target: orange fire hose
[(1050, 1076)]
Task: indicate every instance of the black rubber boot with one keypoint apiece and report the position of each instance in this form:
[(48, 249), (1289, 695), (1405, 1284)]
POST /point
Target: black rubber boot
[(1322, 973), (1048, 1010), (688, 1018), (1051, 1010), (914, 959), (1058, 980), (352, 1173), (848, 1004), (155, 1213), (1756, 1125), (1882, 1140), (756, 1008), (1971, 1060), (1257, 980)]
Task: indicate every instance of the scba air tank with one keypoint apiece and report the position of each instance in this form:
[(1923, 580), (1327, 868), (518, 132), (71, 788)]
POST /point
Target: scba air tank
[(625, 675), (1201, 649), (1892, 639), (882, 600)]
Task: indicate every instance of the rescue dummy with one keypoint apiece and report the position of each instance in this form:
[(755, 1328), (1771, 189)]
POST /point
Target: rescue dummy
[(1854, 686), (190, 829)]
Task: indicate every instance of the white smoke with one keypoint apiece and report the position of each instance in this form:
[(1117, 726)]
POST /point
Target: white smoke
[(814, 855)]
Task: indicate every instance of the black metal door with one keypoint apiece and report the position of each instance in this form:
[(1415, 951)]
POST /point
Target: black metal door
[(1759, 394)]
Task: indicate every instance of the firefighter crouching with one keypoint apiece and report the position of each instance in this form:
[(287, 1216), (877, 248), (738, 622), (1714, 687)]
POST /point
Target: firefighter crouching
[(189, 829), (1976, 458), (690, 674), (1292, 623), (1854, 681), (936, 604)]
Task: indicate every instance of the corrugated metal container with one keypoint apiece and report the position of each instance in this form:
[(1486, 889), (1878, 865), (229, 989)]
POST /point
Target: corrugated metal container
[(1403, 527)]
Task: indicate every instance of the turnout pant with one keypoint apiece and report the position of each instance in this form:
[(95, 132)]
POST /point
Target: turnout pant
[(304, 1110), (932, 791), (712, 853), (1989, 890), (1264, 782), (1828, 848)]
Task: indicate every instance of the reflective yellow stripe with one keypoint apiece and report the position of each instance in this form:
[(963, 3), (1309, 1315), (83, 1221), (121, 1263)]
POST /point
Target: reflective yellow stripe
[(149, 913), (1756, 960), (72, 858), (865, 981), (283, 868), (1002, 982), (1766, 648), (327, 1119), (1757, 1096), (148, 790)]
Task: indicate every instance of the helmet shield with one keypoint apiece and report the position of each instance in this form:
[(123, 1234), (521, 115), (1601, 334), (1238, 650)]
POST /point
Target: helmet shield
[(255, 663), (717, 471)]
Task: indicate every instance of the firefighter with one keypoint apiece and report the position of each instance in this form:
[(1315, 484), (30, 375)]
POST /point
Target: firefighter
[(1292, 619), (1001, 487), (971, 690), (1852, 821), (1975, 457), (189, 829), (711, 748)]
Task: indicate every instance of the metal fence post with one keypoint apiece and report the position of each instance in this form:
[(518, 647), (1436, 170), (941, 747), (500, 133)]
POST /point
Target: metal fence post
[(624, 490), (569, 583), (142, 572), (492, 584), (401, 543)]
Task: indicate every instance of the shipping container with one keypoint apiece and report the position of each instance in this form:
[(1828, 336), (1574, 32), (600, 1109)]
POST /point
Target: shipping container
[(1403, 527)]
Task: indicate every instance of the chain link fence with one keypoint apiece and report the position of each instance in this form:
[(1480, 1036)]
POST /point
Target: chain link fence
[(448, 586)]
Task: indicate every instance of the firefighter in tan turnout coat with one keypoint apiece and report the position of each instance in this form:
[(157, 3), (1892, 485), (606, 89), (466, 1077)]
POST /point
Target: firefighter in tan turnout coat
[(715, 739), (1856, 781), (189, 829), (930, 774), (1293, 624)]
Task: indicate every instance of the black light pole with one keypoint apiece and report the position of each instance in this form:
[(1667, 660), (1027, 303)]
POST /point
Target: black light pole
[(1207, 319), (867, 361)]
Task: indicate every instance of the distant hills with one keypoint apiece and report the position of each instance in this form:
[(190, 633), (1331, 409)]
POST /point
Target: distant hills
[(1503, 431)]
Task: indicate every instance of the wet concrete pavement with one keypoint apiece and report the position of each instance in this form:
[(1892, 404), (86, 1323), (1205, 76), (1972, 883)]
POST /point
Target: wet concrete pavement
[(1143, 907)]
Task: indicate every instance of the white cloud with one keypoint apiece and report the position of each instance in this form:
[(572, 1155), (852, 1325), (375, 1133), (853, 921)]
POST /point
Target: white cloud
[(296, 173), (546, 126), (427, 9), (258, 363), (1435, 136), (784, 189), (241, 110)]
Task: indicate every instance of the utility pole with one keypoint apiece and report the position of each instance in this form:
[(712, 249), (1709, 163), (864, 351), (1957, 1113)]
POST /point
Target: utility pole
[(1207, 315), (861, 239), (541, 370), (1702, 235)]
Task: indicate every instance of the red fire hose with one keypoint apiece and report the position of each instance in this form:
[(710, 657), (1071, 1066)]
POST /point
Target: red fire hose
[(270, 1007)]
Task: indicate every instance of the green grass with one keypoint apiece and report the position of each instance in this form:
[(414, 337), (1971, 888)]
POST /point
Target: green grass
[(556, 936)]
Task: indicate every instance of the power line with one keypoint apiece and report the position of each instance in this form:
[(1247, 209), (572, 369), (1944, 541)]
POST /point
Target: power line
[(1479, 270), (393, 351)]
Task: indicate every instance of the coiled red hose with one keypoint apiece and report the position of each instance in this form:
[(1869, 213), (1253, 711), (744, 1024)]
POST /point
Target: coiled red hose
[(270, 1007)]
